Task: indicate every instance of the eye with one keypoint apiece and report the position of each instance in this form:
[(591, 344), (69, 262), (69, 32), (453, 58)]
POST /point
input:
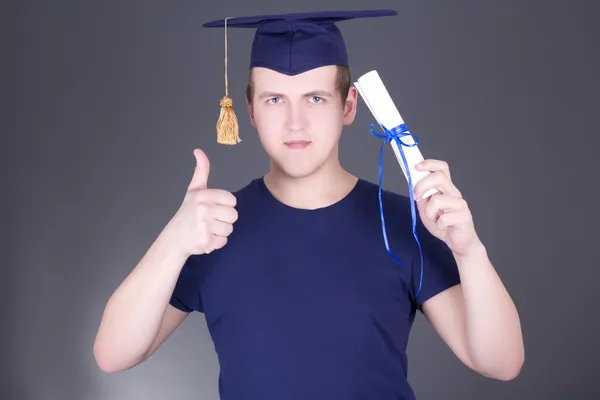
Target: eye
[(316, 99), (274, 100)]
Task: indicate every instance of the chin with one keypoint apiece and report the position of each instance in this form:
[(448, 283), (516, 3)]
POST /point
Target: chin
[(297, 169), (299, 164)]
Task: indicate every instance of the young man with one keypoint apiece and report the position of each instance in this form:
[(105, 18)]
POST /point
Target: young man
[(301, 297)]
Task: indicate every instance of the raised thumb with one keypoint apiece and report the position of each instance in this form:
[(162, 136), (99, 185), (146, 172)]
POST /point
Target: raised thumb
[(200, 177)]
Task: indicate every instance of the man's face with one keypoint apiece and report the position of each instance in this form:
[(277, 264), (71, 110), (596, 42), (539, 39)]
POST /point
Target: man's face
[(299, 118)]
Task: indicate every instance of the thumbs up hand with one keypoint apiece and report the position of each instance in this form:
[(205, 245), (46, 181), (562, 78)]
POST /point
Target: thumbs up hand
[(206, 216)]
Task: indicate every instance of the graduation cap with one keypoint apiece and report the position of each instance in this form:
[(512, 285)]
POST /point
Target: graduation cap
[(290, 44)]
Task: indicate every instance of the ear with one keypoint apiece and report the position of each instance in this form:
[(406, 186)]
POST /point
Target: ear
[(350, 105), (250, 113)]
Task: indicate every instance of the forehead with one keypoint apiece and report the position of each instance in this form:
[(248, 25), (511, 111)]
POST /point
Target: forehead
[(318, 78)]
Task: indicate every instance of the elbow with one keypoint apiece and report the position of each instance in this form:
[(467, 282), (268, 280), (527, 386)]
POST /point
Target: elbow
[(515, 370), (107, 363), (507, 374), (103, 360), (504, 370), (106, 367)]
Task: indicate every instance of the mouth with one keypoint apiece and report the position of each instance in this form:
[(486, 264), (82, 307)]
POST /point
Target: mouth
[(297, 144)]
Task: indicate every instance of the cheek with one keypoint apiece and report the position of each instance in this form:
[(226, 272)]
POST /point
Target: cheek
[(327, 124), (268, 129), (327, 119), (263, 121), (267, 118)]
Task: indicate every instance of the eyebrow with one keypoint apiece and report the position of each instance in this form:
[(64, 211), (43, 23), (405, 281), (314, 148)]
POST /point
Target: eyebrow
[(319, 93), (269, 94)]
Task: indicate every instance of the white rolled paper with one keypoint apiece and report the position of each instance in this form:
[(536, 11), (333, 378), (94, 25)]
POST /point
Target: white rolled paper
[(381, 105)]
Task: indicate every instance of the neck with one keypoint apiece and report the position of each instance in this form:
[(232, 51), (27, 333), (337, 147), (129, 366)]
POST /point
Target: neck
[(324, 187)]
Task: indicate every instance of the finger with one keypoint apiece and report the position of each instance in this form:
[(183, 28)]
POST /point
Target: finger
[(433, 209), (224, 213), (436, 180), (451, 219), (433, 166), (201, 172), (223, 197), (218, 242), (220, 228), (442, 204)]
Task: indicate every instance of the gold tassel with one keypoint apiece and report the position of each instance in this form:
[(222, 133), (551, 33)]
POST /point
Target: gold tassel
[(227, 125)]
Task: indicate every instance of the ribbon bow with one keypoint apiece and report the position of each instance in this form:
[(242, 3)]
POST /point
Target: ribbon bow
[(396, 134)]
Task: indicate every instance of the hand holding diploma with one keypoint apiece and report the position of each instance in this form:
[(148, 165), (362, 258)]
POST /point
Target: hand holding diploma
[(441, 207), (446, 214)]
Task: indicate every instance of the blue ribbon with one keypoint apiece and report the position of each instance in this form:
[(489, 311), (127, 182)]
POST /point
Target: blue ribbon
[(396, 135)]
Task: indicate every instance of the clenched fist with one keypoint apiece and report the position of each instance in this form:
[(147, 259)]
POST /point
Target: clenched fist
[(206, 216)]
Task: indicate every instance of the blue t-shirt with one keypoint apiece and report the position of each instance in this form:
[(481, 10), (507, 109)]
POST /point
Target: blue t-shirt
[(308, 304)]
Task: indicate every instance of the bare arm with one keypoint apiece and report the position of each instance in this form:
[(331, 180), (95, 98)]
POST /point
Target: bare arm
[(138, 316), (172, 319), (478, 320)]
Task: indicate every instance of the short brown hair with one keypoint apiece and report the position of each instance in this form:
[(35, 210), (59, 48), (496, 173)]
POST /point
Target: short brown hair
[(343, 81)]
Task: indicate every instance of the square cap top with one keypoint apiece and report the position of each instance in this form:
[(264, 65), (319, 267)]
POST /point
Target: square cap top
[(295, 43)]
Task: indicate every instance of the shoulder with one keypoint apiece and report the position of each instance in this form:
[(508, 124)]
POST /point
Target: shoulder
[(395, 205), (252, 202), (250, 193), (395, 214), (371, 189), (247, 189)]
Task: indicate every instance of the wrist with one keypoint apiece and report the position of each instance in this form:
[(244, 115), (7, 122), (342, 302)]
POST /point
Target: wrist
[(474, 252), (169, 241)]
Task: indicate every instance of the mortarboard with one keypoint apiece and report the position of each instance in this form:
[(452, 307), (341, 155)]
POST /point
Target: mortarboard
[(290, 44)]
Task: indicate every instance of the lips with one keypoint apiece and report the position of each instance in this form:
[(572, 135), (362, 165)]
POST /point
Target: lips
[(297, 144)]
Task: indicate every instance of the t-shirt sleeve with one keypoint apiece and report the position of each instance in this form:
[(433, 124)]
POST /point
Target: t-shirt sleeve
[(186, 294), (439, 271)]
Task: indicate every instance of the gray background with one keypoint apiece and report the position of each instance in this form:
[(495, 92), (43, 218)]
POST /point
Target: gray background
[(105, 101)]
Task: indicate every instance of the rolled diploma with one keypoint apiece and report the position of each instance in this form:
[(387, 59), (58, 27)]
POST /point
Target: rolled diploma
[(378, 100)]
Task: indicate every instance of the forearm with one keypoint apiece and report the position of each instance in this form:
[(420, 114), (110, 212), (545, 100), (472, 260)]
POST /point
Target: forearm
[(493, 327), (134, 312)]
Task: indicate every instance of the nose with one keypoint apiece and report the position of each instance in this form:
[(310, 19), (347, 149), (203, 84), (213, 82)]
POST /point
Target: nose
[(295, 118)]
